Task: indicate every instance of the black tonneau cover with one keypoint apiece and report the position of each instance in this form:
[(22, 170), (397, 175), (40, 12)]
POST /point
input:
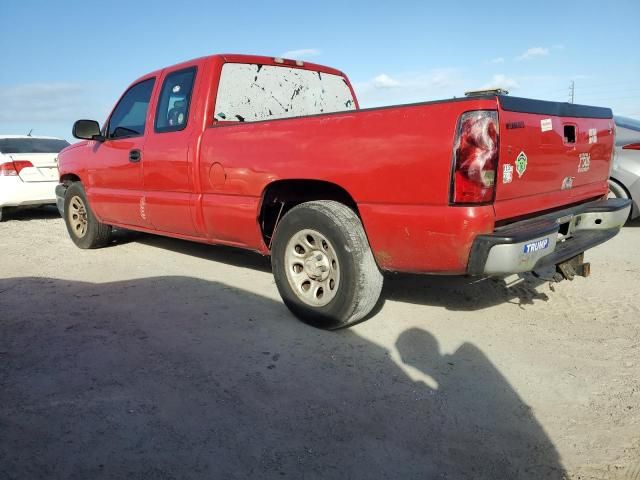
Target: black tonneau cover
[(559, 109)]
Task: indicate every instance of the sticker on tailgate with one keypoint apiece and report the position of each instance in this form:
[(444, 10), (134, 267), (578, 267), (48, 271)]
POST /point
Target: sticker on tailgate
[(507, 173), (521, 163), (536, 246), (584, 162)]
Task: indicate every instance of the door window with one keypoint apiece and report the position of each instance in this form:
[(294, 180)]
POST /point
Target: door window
[(173, 107), (130, 114)]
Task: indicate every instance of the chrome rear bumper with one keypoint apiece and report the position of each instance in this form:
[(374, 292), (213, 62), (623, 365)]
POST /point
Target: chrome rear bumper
[(549, 239)]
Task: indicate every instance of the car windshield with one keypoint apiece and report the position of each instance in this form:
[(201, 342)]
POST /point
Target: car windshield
[(629, 123), (32, 145)]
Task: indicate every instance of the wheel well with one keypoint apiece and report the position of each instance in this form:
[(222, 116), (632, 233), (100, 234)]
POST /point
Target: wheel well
[(68, 178), (634, 205), (621, 185), (281, 196)]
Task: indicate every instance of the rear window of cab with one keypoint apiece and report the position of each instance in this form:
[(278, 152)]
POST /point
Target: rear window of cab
[(252, 92)]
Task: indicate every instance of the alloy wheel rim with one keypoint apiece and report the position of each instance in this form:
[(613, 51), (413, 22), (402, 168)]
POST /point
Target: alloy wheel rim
[(78, 217)]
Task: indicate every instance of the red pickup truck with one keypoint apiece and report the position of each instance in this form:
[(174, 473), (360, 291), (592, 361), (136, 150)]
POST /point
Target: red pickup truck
[(276, 156)]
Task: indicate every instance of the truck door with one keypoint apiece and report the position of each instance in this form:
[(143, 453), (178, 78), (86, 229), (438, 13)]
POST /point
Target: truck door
[(116, 189), (169, 155)]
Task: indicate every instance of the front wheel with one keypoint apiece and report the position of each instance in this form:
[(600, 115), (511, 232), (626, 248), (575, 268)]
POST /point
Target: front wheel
[(323, 266), (84, 228)]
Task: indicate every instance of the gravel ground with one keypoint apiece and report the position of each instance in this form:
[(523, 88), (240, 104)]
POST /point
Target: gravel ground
[(158, 358)]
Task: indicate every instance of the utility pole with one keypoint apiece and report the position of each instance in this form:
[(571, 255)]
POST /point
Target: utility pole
[(572, 90)]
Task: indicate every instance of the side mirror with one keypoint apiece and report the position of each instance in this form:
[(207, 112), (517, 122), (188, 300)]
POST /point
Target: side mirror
[(87, 130)]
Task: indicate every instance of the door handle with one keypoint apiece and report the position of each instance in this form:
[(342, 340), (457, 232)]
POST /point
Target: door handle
[(135, 156)]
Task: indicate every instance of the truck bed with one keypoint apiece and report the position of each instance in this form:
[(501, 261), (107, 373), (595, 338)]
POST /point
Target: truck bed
[(395, 162)]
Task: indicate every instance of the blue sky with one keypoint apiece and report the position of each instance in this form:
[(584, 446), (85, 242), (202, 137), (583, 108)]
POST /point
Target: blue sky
[(67, 60)]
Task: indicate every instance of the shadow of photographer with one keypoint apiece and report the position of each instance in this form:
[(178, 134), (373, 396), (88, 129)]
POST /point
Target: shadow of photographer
[(482, 419), (174, 377)]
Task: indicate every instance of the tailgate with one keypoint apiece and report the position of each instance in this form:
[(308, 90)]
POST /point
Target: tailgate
[(44, 169), (551, 155)]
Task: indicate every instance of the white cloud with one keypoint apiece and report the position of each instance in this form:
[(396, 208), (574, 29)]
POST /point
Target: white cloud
[(533, 52), (384, 81), (301, 53), (497, 60), (408, 87), (501, 81)]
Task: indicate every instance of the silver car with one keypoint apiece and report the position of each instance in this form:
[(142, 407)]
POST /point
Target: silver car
[(625, 174)]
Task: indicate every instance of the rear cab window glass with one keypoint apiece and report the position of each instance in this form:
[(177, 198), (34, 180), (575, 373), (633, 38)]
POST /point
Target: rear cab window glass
[(173, 107), (251, 92), (130, 114), (32, 145)]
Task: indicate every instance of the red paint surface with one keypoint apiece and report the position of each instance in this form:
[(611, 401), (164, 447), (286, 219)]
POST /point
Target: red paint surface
[(550, 161), (206, 183)]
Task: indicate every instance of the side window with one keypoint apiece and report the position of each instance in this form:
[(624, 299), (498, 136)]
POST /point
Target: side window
[(129, 116), (173, 107), (250, 92)]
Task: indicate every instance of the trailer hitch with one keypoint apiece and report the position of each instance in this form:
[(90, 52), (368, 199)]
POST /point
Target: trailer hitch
[(569, 269), (565, 270)]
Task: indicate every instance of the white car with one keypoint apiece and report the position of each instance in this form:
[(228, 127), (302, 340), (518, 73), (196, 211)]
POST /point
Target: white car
[(28, 170)]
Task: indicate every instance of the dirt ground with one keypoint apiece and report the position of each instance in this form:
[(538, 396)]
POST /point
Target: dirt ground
[(158, 358)]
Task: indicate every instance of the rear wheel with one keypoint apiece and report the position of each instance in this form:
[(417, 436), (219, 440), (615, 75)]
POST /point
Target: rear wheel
[(323, 266), (84, 228)]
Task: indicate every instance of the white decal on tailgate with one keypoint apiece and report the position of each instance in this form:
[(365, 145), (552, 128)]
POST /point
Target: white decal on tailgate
[(584, 162), (507, 173)]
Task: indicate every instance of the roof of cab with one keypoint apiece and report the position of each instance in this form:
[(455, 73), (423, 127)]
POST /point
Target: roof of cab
[(240, 58)]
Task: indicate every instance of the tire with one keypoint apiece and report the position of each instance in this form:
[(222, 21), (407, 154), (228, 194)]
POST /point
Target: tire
[(1, 214), (84, 228), (323, 266), (617, 190)]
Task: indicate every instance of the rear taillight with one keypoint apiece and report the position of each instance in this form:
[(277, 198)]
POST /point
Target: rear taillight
[(475, 157), (631, 146), (11, 169)]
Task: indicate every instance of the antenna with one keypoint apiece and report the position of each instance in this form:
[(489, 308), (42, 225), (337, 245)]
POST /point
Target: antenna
[(572, 91), (29, 134)]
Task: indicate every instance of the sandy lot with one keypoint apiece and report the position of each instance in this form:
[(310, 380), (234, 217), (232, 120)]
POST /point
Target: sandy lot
[(157, 358)]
